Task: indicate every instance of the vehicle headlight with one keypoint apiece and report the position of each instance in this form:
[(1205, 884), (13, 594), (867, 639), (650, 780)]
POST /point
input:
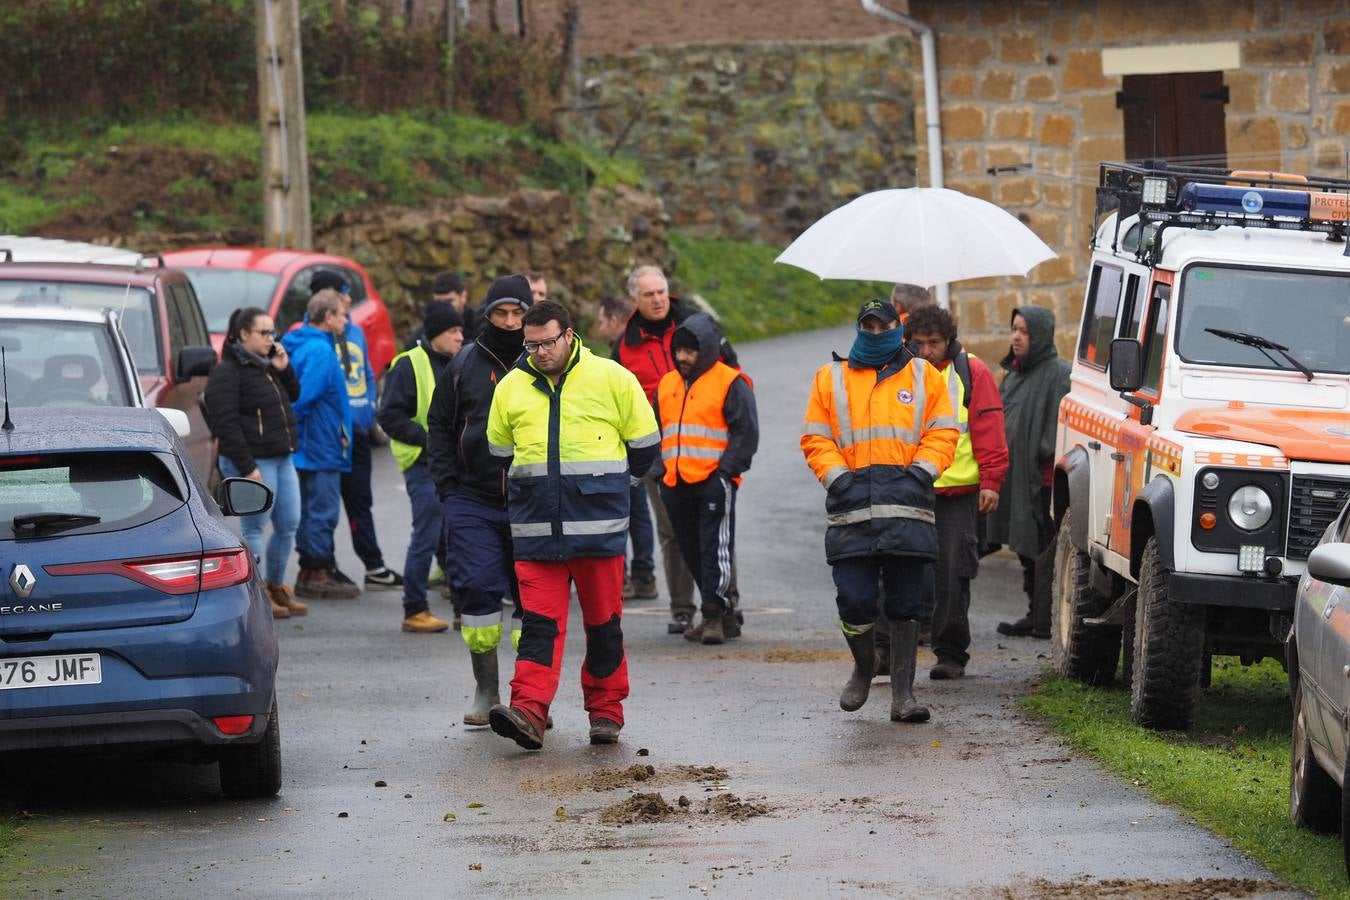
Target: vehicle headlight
[(1250, 508)]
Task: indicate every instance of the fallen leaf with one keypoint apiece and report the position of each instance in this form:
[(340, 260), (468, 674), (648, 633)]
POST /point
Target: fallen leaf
[(475, 867), (342, 815), (381, 784), (288, 809), (264, 819), (936, 744), (585, 862), (448, 817), (475, 805), (643, 751), (407, 796), (560, 812)]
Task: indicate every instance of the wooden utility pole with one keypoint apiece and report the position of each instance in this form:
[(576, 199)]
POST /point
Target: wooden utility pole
[(281, 110)]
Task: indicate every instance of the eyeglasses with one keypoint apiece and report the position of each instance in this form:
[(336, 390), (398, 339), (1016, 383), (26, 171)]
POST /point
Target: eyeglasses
[(547, 344), (271, 334)]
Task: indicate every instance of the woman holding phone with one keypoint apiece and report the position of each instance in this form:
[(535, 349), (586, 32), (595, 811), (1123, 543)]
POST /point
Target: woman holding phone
[(248, 408)]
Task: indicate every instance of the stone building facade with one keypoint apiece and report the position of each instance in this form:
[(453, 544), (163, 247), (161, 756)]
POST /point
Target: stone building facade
[(1030, 87)]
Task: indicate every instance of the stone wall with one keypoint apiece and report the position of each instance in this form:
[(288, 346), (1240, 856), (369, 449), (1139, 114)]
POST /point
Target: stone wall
[(1022, 83), (586, 247), (757, 140)]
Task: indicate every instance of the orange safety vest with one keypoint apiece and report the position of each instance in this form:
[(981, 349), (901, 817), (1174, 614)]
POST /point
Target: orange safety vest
[(693, 424)]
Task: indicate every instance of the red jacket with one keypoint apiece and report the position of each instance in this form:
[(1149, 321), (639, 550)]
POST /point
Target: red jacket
[(648, 356), (987, 439)]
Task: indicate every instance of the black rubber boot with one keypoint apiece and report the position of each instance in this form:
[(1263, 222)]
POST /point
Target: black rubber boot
[(904, 651), (485, 693), (863, 647), (882, 637)]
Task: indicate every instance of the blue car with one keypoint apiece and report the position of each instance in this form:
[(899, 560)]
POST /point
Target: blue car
[(131, 616)]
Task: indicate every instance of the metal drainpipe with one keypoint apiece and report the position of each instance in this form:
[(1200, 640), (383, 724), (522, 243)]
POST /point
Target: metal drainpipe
[(932, 113)]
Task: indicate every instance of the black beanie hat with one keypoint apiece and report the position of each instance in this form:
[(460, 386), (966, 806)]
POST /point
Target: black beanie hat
[(684, 338), (508, 289), (440, 316), (326, 278), (447, 283)]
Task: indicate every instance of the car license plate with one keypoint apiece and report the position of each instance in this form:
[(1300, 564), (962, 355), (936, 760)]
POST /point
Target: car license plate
[(50, 671)]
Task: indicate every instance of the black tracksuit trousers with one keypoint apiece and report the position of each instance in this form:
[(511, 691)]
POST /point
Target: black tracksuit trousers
[(703, 517)]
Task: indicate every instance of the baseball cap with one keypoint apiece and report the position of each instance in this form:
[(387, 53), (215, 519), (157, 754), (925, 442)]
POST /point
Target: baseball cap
[(881, 309), (328, 279)]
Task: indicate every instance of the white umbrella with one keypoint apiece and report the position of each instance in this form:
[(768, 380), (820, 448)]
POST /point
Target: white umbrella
[(924, 236)]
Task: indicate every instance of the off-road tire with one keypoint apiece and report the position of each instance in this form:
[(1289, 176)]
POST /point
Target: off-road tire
[(1314, 799), (1088, 653), (1169, 650), (253, 770)]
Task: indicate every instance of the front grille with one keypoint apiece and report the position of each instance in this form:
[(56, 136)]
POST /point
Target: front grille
[(1315, 502)]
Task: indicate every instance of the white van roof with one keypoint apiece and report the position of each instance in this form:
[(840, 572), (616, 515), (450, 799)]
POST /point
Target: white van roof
[(40, 249)]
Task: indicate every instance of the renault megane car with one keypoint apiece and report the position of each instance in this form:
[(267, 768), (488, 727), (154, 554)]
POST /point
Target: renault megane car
[(131, 616)]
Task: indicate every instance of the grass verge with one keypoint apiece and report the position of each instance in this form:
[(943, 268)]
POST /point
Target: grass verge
[(1230, 772), (755, 297)]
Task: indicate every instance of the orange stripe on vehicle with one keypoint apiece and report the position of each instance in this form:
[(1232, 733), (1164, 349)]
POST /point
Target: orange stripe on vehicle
[(1241, 460)]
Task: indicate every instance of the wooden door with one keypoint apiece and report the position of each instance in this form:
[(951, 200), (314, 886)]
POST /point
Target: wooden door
[(1178, 116)]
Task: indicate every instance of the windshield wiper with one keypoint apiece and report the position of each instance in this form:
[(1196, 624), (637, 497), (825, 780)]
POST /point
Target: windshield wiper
[(53, 521), (1262, 344)]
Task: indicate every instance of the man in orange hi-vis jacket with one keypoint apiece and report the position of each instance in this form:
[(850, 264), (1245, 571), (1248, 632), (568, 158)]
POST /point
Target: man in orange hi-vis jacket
[(879, 431)]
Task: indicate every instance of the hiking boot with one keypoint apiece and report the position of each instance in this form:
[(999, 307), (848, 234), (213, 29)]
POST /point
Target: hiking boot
[(679, 623), (1020, 628), (339, 577), (605, 731), (486, 685), (319, 584), (513, 723), (281, 596), (694, 632), (864, 650), (279, 611), (712, 627), (946, 669), (644, 588), (627, 592), (904, 651), (424, 623), (383, 578), (731, 624)]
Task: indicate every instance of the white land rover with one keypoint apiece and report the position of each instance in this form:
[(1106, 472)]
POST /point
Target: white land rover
[(1205, 443)]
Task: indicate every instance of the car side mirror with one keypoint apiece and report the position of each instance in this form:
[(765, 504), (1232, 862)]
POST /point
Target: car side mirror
[(243, 497), (1127, 365), (194, 361), (1331, 563)]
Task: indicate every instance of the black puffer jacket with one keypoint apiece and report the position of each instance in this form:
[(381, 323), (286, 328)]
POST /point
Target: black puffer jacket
[(248, 408), (457, 446)]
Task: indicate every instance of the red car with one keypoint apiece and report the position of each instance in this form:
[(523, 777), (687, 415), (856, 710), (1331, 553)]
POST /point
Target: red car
[(227, 278)]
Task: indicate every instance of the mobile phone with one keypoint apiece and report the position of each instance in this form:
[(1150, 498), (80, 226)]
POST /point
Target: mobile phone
[(272, 350)]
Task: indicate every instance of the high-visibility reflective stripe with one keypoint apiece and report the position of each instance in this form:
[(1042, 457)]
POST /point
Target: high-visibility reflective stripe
[(515, 637), (885, 433), (531, 529), (927, 467), (647, 440), (945, 422), (593, 526), (594, 467), (855, 630), (841, 413), (481, 621), (699, 431), (528, 470), (833, 475), (691, 452), (819, 429), (501, 449), (955, 391), (880, 511)]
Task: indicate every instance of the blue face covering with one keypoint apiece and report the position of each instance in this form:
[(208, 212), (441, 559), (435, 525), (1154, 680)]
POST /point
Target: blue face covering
[(876, 349)]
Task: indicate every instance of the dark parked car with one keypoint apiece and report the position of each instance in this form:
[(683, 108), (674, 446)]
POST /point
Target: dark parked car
[(160, 317), (131, 616), (1318, 655)]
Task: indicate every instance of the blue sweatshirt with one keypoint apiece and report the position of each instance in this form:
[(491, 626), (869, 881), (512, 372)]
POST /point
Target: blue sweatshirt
[(359, 374), (323, 413)]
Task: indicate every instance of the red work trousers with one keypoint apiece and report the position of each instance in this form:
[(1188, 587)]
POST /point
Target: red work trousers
[(545, 592)]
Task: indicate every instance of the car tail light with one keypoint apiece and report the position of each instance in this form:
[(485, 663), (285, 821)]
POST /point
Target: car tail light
[(171, 574), (233, 724)]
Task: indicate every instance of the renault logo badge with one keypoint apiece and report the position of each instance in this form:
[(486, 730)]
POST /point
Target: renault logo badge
[(22, 580)]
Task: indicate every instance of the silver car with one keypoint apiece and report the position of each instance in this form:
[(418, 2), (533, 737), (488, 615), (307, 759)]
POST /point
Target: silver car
[(61, 356), (1318, 655)]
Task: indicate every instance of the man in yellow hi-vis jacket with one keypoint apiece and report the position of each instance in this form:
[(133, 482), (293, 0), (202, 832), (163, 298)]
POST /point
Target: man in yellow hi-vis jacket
[(879, 431), (576, 426)]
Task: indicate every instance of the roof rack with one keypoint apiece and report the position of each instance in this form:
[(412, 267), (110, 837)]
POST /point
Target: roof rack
[(1205, 198)]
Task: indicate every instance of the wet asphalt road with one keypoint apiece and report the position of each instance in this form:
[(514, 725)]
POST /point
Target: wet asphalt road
[(979, 802)]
